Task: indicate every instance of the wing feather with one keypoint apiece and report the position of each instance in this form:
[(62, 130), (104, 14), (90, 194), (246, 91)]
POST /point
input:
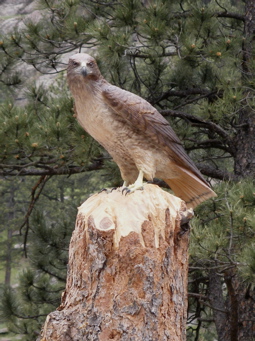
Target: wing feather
[(146, 120)]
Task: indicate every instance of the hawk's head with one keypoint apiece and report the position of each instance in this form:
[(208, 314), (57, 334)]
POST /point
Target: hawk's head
[(83, 66)]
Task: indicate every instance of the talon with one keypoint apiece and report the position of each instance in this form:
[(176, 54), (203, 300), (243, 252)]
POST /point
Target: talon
[(107, 190), (138, 184), (128, 191), (103, 190), (125, 189)]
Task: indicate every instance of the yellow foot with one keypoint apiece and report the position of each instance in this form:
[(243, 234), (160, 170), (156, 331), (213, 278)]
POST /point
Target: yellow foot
[(131, 189), (137, 185)]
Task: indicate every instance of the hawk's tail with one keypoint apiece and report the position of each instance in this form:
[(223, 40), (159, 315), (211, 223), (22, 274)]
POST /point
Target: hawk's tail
[(190, 188)]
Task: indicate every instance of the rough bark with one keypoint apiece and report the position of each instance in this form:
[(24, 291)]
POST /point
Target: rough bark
[(220, 313), (240, 303), (8, 255), (234, 314), (127, 273), (245, 145), (245, 142), (240, 300)]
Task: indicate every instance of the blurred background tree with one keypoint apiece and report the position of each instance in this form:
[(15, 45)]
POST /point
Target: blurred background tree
[(194, 61)]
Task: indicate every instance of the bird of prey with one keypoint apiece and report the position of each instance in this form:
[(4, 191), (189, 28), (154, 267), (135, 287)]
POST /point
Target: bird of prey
[(139, 139)]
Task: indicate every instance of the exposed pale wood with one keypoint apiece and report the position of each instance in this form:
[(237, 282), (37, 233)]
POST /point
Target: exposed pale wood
[(127, 273)]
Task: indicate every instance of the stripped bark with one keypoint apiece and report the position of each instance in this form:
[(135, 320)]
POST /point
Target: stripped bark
[(127, 277)]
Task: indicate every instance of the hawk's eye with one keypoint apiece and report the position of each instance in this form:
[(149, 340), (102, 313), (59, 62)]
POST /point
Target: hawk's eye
[(90, 64), (74, 63)]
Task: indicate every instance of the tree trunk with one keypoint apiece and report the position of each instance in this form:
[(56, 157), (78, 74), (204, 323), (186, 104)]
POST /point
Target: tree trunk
[(8, 259), (241, 305), (220, 313), (245, 141), (127, 274), (240, 300), (10, 217), (245, 145)]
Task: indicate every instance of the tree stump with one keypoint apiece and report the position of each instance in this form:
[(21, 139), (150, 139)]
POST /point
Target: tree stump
[(127, 272)]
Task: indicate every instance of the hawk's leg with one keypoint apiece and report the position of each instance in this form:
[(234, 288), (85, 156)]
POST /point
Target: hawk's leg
[(125, 183), (138, 184)]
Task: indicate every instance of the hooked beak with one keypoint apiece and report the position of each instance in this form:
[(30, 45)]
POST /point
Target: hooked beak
[(84, 71)]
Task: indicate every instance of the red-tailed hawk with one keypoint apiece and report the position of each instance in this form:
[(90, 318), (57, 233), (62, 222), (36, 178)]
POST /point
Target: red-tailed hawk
[(136, 135)]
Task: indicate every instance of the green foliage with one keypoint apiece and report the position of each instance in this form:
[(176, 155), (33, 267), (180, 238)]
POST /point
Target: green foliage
[(17, 312), (49, 243), (224, 229), (41, 278), (142, 48), (222, 240), (44, 131), (187, 59)]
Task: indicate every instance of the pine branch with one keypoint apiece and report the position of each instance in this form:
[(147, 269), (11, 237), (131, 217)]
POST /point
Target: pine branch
[(230, 15), (223, 14), (211, 143), (184, 93), (26, 170), (197, 120), (216, 173), (44, 269), (135, 52), (28, 316), (199, 296), (34, 197), (205, 320)]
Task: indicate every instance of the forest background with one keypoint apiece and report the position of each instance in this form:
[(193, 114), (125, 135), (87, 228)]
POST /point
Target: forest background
[(195, 62)]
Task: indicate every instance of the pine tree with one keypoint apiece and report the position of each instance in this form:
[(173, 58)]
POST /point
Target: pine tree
[(48, 231), (194, 61)]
